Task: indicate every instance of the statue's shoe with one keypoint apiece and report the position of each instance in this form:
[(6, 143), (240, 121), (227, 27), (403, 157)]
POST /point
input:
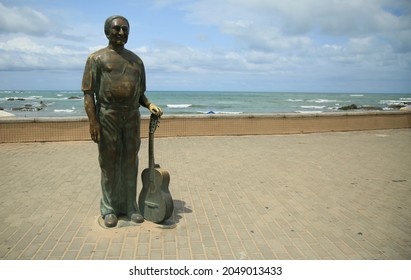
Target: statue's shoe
[(110, 220), (136, 218)]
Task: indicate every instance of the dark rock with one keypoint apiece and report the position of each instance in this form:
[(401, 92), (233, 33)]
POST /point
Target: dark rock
[(396, 106), (28, 108), (74, 97), (356, 107), (348, 107)]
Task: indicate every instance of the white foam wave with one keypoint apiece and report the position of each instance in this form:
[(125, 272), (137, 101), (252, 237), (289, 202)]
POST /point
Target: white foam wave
[(14, 98), (312, 107), (179, 106), (401, 101), (64, 110), (323, 100), (357, 95), (333, 108), (294, 100)]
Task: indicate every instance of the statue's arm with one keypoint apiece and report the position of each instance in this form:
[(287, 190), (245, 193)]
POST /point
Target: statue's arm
[(144, 101), (90, 107), (153, 108)]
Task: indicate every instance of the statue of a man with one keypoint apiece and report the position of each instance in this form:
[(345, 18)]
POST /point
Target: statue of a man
[(114, 86)]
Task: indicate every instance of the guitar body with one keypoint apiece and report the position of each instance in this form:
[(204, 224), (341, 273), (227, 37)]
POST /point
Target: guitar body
[(155, 201)]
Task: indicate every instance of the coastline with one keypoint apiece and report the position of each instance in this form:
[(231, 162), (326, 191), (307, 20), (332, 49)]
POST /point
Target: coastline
[(57, 103), (45, 129)]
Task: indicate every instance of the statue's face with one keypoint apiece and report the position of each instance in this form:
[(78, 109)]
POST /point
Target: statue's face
[(118, 32)]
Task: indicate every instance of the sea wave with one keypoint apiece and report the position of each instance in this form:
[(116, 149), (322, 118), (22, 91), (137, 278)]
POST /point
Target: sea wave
[(33, 98), (65, 110), (320, 100), (178, 106), (13, 98), (312, 107), (189, 103), (294, 100), (401, 101)]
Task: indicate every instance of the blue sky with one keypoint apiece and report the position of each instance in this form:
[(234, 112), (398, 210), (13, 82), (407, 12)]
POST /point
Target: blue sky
[(235, 45)]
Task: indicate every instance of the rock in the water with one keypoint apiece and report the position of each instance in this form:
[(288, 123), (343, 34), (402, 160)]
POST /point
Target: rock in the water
[(348, 107)]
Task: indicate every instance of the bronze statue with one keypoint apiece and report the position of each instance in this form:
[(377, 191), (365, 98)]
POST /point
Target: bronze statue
[(114, 86)]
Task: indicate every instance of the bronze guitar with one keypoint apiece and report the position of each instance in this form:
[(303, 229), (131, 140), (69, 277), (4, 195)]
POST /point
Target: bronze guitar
[(155, 201)]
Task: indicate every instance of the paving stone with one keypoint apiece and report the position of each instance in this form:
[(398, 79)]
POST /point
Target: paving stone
[(307, 196)]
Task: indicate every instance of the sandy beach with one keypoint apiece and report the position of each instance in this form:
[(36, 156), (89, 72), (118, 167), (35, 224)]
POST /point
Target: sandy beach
[(340, 195), (5, 114)]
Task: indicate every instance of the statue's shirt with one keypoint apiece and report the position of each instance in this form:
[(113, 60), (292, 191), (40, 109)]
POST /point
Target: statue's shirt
[(117, 78)]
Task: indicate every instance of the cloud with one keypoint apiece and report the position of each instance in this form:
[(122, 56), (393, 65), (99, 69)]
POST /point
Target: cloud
[(268, 23), (313, 38), (23, 20), (336, 18), (184, 59), (282, 36), (23, 53), (29, 40), (255, 43)]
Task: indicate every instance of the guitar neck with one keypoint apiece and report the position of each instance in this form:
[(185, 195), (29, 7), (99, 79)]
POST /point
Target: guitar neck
[(151, 162)]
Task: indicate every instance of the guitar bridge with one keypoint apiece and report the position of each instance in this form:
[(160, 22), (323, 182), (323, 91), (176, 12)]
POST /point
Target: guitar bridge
[(151, 204)]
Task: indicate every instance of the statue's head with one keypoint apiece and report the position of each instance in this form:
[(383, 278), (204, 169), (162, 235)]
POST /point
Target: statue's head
[(117, 29)]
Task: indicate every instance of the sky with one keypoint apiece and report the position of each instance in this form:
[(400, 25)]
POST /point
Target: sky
[(215, 45)]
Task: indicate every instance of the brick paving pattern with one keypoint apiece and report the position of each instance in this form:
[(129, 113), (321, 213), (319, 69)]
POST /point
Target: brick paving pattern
[(307, 196)]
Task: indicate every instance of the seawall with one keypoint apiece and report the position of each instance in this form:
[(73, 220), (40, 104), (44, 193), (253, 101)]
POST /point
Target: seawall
[(18, 130)]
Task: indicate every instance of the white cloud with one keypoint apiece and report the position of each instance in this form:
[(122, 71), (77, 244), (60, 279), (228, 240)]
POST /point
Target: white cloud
[(23, 20), (25, 53), (29, 40), (184, 59), (315, 37), (348, 17), (263, 40), (268, 21), (282, 36)]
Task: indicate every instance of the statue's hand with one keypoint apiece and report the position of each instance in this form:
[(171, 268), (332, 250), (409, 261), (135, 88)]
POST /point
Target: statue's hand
[(95, 131), (154, 109)]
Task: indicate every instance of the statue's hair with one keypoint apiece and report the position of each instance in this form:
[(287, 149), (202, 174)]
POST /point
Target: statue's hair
[(107, 24)]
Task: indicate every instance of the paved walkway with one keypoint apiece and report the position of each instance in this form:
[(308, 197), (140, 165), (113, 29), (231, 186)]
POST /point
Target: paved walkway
[(313, 196)]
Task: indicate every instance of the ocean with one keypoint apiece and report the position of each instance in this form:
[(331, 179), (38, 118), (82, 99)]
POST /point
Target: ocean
[(60, 103)]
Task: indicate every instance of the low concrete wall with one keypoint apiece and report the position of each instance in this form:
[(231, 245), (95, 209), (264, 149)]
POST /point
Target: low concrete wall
[(14, 130)]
